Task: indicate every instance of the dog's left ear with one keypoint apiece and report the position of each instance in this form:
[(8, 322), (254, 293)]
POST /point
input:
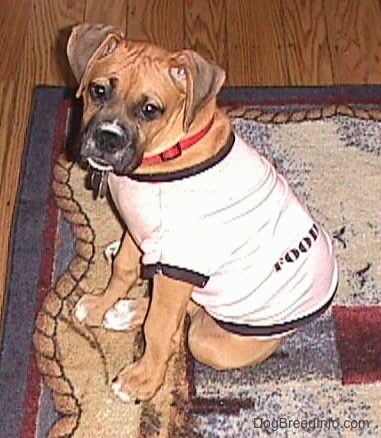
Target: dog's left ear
[(198, 78), (88, 43)]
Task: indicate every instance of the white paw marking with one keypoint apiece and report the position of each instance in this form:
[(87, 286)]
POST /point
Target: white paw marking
[(123, 396), (112, 250), (80, 311), (120, 316)]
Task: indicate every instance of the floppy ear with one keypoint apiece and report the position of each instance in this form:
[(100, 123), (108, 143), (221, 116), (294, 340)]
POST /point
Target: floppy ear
[(200, 79), (88, 43)]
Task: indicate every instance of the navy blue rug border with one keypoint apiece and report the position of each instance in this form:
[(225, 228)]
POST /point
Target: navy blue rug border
[(324, 95)]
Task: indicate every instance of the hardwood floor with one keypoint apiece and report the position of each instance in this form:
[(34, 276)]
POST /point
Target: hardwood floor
[(258, 42)]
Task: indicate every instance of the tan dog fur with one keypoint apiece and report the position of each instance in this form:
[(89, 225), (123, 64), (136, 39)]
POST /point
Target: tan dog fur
[(187, 86)]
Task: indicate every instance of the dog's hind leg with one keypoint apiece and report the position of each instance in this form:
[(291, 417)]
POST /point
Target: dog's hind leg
[(212, 345)]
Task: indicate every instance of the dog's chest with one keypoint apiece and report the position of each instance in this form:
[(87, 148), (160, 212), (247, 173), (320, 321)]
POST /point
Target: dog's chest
[(239, 198), (137, 204)]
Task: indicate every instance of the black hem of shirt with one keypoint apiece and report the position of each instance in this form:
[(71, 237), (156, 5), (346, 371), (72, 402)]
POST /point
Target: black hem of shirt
[(175, 272), (275, 329), (189, 171)]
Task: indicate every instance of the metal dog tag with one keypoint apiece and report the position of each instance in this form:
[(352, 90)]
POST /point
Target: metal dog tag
[(98, 181)]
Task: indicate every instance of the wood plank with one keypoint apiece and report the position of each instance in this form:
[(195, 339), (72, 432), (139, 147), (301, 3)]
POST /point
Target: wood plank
[(7, 90), (205, 29), (40, 63), (14, 18), (158, 21), (46, 39), (107, 12), (307, 49), (354, 36), (256, 47)]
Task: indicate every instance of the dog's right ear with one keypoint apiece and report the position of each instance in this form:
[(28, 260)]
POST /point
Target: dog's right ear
[(88, 43)]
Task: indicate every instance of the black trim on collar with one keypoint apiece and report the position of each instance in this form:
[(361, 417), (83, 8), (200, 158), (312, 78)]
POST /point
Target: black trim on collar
[(175, 272), (276, 329), (189, 171)]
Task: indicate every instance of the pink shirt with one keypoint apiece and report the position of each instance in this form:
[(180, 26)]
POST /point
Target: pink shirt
[(233, 228)]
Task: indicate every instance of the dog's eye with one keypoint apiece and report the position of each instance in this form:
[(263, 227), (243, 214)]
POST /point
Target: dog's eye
[(99, 93), (151, 111)]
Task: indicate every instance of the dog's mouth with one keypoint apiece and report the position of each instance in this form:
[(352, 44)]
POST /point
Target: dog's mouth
[(100, 164), (121, 167), (98, 176), (110, 146)]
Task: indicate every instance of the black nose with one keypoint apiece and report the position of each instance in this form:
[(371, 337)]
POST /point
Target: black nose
[(110, 137)]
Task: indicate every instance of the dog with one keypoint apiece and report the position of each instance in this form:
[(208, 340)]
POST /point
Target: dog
[(209, 219)]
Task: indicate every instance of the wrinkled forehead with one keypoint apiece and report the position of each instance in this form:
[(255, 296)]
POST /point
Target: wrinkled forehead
[(134, 63)]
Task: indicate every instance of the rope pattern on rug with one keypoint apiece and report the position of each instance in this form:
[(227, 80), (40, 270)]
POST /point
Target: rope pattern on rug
[(280, 117), (45, 341)]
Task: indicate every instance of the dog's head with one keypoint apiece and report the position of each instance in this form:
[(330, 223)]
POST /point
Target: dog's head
[(139, 99)]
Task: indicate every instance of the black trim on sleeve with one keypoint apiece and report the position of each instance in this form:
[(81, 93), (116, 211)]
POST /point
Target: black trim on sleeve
[(175, 272), (276, 329), (189, 171)]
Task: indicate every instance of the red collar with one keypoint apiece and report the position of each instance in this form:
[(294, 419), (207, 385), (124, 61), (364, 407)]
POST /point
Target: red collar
[(176, 150)]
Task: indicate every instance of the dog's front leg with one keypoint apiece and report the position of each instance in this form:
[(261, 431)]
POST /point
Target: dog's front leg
[(91, 309), (162, 330)]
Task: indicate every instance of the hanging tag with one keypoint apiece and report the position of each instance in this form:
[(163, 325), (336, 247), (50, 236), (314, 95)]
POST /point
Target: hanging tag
[(98, 181)]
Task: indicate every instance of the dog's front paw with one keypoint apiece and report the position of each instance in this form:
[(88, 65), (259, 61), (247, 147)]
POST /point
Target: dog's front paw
[(91, 310), (139, 381), (126, 314)]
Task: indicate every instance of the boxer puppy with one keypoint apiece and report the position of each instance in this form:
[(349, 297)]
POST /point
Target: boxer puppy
[(208, 218)]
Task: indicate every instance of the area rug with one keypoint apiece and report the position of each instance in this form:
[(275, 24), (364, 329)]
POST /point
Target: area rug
[(325, 380)]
